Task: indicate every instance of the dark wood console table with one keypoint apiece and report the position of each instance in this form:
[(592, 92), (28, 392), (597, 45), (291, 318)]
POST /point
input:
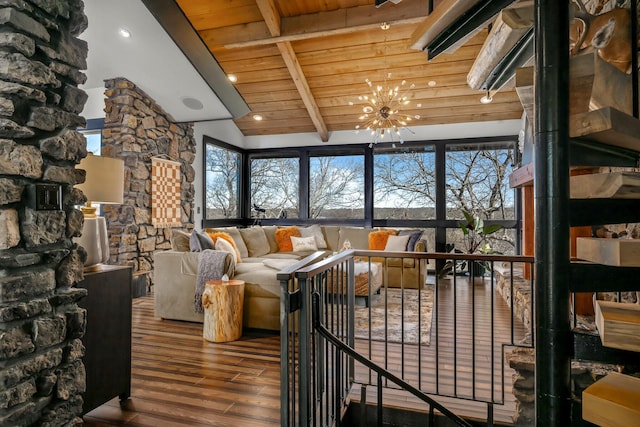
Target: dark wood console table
[(108, 335)]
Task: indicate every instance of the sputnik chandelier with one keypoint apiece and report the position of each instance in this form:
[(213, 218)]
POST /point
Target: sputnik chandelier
[(381, 114)]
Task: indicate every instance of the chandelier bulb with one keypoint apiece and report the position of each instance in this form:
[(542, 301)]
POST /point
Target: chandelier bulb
[(381, 113)]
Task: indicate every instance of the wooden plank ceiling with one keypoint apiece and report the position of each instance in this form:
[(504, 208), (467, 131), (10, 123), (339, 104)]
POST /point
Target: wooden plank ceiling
[(299, 63)]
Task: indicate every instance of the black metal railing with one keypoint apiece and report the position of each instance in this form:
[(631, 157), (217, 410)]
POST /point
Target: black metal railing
[(442, 338), (342, 348)]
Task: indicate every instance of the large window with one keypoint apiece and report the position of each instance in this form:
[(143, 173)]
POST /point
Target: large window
[(222, 182), (405, 184), (477, 180), (336, 187), (275, 187), (424, 185)]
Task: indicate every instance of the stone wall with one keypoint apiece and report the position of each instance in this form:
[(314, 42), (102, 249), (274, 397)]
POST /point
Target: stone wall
[(523, 360), (42, 375), (136, 129)]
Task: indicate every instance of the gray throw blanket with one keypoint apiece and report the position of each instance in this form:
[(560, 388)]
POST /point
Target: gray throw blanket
[(210, 267)]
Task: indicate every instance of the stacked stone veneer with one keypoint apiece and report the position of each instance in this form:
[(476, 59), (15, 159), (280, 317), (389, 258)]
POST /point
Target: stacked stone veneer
[(136, 129), (42, 376)]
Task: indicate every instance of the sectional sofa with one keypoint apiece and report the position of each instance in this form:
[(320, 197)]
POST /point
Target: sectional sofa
[(263, 251)]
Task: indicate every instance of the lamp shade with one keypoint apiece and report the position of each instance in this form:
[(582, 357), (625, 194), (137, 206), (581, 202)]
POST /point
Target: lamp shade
[(105, 179)]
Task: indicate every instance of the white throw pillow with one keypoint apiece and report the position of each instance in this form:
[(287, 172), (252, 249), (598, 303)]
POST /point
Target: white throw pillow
[(303, 243), (223, 245), (397, 243), (316, 232)]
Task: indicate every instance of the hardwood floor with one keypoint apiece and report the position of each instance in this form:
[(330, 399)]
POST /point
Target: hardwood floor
[(462, 361), (179, 379)]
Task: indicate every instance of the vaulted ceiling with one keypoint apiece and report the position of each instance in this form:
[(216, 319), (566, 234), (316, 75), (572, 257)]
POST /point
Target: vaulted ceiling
[(300, 63)]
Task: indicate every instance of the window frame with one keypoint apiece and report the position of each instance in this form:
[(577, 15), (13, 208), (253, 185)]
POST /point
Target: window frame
[(242, 204), (439, 224)]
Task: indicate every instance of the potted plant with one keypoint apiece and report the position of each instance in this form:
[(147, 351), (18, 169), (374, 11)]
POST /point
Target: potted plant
[(475, 241)]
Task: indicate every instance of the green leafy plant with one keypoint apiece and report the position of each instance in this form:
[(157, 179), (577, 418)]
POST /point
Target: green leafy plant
[(475, 238), (475, 233)]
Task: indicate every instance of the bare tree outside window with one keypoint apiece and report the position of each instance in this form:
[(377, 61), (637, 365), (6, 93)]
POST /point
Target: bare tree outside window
[(336, 187), (222, 177), (404, 185), (274, 186), (477, 181)]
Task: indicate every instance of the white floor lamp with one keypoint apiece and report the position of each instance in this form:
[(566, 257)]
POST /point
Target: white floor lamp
[(104, 184)]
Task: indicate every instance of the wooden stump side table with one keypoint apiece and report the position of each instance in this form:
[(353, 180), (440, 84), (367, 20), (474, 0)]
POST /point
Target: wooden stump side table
[(223, 302)]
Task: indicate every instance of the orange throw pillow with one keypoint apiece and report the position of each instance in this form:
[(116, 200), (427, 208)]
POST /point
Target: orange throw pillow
[(283, 238), (225, 236), (378, 239)]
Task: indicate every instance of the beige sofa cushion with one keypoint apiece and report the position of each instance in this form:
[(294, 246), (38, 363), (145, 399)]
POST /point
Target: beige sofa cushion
[(256, 241), (270, 233), (358, 237), (180, 240), (331, 236)]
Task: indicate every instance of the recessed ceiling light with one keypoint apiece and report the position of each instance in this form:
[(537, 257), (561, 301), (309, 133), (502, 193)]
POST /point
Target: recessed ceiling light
[(124, 33), (487, 99), (257, 117), (232, 78), (432, 83), (192, 103)]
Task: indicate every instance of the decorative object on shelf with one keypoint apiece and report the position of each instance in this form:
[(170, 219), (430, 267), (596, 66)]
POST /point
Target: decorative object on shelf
[(104, 184), (381, 114), (608, 32), (166, 207)]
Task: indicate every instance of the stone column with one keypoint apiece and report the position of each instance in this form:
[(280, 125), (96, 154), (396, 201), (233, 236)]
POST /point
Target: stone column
[(135, 130), (42, 377)]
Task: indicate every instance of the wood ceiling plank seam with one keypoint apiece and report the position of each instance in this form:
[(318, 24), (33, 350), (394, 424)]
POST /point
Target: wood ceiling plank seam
[(263, 63), (272, 97), (350, 116), (226, 36), (368, 54)]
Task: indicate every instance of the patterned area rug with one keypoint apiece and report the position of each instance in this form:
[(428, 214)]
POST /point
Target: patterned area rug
[(395, 317)]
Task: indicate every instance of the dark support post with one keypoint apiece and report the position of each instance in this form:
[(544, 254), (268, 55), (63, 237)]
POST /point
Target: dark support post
[(553, 343)]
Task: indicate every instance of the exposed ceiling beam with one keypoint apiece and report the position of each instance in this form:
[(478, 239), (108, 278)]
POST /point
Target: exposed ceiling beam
[(272, 19), (468, 23), (505, 69), (269, 12), (442, 16), (300, 81), (323, 24)]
